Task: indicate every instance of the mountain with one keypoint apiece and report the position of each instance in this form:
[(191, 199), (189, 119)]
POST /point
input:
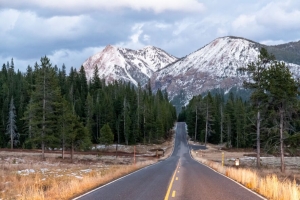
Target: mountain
[(289, 52), (127, 65), (211, 67)]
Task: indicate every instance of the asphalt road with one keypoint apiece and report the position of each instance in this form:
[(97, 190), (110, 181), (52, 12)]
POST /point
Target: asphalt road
[(178, 177)]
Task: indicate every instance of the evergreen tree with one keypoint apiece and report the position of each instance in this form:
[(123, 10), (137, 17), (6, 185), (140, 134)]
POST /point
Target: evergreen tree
[(78, 136), (11, 125), (45, 106), (258, 97), (106, 135), (282, 91)]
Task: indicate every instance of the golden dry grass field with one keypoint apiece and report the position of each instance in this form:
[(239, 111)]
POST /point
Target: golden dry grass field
[(24, 175), (268, 181)]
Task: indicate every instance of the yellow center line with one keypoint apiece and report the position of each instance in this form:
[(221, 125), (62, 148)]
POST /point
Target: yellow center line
[(173, 193), (171, 183)]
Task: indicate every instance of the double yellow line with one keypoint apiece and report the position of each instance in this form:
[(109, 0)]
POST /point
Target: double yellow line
[(171, 183)]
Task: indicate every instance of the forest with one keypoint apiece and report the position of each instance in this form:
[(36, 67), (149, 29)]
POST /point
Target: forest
[(269, 120), (47, 108)]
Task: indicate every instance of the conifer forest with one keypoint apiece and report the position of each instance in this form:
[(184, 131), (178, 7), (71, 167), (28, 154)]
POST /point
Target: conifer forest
[(47, 107), (270, 119)]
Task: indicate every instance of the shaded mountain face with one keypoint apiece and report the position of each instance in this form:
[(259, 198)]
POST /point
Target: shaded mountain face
[(289, 52), (127, 65), (211, 67)]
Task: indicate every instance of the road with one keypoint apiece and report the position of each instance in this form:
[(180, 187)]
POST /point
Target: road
[(178, 177)]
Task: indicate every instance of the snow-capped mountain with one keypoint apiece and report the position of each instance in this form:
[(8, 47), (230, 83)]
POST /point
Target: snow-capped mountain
[(127, 65), (213, 66)]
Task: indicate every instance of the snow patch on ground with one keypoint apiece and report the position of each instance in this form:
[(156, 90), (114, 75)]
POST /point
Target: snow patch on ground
[(26, 171)]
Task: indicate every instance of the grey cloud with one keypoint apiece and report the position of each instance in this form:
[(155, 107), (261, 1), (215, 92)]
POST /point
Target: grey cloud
[(71, 35)]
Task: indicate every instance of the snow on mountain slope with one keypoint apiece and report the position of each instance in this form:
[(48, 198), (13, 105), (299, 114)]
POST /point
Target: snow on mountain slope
[(213, 66), (127, 65)]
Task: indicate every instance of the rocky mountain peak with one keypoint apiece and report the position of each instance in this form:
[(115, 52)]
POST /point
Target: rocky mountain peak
[(135, 66)]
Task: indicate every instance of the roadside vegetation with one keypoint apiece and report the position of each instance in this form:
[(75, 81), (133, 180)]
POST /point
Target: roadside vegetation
[(26, 176), (54, 180), (46, 108), (267, 184)]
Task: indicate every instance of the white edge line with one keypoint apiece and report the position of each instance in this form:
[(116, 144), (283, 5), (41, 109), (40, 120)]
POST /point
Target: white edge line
[(228, 178), (127, 174)]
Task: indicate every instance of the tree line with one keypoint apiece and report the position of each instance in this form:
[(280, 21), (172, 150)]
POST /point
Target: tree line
[(269, 119), (48, 108)]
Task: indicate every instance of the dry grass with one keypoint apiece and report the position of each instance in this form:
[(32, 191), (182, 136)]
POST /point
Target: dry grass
[(268, 186), (24, 176), (33, 179)]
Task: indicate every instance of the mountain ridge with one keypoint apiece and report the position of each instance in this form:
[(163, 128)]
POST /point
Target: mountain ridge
[(215, 65), (135, 66)]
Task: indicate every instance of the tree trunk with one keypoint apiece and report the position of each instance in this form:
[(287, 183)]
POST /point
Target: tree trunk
[(206, 124), (229, 134), (72, 151), (44, 115), (281, 142), (11, 139), (126, 139), (221, 124), (63, 150), (258, 140), (43, 150), (97, 125), (117, 150), (196, 123), (144, 126)]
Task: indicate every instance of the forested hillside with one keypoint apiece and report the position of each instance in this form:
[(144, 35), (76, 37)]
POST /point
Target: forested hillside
[(233, 122), (48, 107), (269, 119)]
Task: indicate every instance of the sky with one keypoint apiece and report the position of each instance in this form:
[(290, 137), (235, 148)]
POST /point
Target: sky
[(70, 31)]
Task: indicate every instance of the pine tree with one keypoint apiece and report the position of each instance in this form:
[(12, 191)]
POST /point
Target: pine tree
[(78, 136), (42, 111), (106, 135), (11, 129), (89, 116), (65, 125), (258, 97), (282, 91)]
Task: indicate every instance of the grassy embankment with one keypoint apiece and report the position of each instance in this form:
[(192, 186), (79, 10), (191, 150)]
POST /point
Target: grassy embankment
[(57, 182), (269, 186)]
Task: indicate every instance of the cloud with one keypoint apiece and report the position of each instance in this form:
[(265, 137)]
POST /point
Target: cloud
[(273, 42), (279, 15), (68, 31), (133, 41), (279, 20), (27, 22), (80, 6), (71, 58), (26, 35), (247, 26)]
